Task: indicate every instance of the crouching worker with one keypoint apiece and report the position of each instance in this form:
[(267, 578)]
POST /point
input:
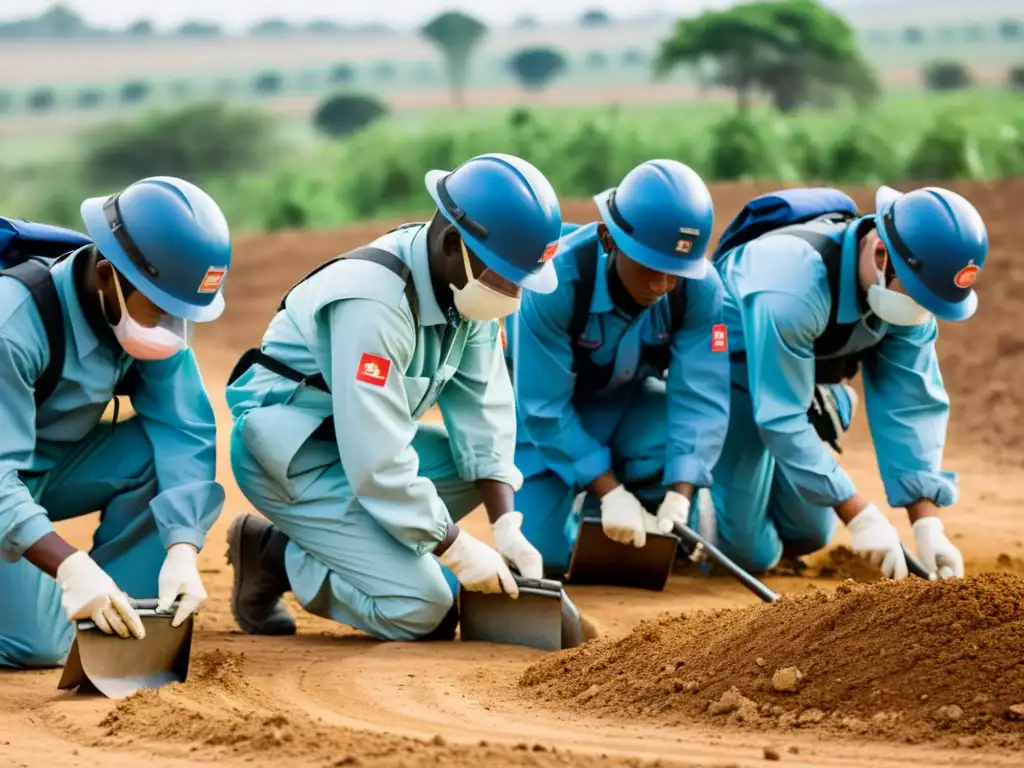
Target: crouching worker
[(82, 320), (815, 293), (362, 499), (622, 374)]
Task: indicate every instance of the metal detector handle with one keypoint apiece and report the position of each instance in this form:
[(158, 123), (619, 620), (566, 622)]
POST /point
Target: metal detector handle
[(916, 567), (693, 540)]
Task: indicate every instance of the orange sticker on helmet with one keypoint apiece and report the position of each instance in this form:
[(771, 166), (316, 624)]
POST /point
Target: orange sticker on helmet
[(549, 252), (965, 277)]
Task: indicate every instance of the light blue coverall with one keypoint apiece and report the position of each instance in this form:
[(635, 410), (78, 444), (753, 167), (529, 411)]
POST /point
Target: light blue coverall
[(650, 431), (365, 511), (152, 477), (777, 481)]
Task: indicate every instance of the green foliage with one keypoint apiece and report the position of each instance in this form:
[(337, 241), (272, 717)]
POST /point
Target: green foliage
[(782, 47), (1015, 78), (595, 18), (341, 116), (195, 143), (457, 35), (947, 76), (378, 171), (90, 98), (536, 67), (341, 73)]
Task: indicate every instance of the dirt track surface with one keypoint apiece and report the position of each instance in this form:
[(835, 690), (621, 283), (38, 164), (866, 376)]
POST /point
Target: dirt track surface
[(331, 696)]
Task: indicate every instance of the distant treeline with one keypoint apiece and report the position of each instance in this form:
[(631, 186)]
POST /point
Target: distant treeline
[(62, 22)]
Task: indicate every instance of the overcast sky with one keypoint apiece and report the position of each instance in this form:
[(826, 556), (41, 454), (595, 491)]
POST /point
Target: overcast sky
[(239, 14)]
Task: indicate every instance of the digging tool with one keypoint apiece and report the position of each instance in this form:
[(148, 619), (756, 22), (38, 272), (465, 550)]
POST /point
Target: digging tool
[(116, 667), (541, 617), (916, 567), (698, 550), (596, 559)]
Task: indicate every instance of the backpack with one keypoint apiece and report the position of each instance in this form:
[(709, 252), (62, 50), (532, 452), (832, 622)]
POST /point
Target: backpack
[(783, 212), (28, 250), (590, 376)]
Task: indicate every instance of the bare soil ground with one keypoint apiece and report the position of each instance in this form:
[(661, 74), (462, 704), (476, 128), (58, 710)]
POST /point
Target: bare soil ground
[(890, 674)]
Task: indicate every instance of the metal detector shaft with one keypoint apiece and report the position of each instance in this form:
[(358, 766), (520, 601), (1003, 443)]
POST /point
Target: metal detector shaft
[(915, 566), (698, 547)]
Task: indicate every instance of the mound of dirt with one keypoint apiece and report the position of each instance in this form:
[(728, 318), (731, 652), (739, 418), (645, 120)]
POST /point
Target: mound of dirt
[(911, 660), (219, 712)]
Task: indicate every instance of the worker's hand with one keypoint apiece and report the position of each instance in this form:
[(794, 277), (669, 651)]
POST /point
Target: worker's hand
[(514, 547), (179, 577), (89, 593), (674, 510), (876, 539), (478, 567), (622, 518), (937, 552)]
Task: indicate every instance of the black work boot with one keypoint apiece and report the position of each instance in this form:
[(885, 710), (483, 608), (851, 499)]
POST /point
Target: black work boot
[(256, 552)]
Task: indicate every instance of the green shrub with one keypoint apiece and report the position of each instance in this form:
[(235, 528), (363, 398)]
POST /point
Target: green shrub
[(945, 151), (341, 116)]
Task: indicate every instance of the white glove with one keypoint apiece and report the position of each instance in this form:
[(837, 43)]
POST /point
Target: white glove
[(89, 593), (514, 547), (622, 517), (875, 538), (938, 554), (674, 509), (179, 576), (478, 567)]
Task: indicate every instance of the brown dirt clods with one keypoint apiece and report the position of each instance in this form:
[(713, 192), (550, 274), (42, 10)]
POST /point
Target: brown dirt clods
[(912, 660)]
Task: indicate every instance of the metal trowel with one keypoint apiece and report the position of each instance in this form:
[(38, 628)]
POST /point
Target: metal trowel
[(117, 667), (542, 617)]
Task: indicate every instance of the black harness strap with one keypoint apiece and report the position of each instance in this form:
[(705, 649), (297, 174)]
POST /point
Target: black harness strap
[(36, 277), (589, 375), (257, 356)]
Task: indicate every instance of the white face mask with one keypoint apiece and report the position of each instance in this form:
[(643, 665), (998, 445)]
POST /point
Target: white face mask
[(894, 307), (477, 301), (164, 340)]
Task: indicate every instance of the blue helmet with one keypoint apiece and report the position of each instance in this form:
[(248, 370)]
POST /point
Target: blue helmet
[(169, 239), (937, 243), (506, 212), (661, 216)]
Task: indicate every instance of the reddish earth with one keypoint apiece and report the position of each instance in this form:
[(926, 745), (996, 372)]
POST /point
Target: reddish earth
[(890, 674)]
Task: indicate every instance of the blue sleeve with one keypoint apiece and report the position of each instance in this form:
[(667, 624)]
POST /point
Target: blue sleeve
[(908, 412), (376, 445), (698, 388), (546, 384), (22, 359), (175, 412), (782, 318), (479, 410)]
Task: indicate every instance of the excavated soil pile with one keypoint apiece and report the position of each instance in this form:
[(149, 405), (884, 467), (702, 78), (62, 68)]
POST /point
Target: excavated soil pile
[(218, 711), (911, 660)]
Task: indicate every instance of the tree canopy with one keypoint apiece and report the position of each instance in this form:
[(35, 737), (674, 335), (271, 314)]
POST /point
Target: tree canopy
[(457, 35), (788, 49), (536, 67)]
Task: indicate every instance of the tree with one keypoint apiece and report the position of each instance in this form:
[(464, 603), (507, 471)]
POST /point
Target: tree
[(525, 22), (946, 76), (786, 48), (268, 83), (60, 21), (913, 35), (1011, 30), (341, 116), (135, 92), (536, 67), (140, 28), (341, 73), (198, 29), (41, 100), (457, 35), (596, 60), (323, 27), (5, 101), (90, 98), (271, 28), (595, 17)]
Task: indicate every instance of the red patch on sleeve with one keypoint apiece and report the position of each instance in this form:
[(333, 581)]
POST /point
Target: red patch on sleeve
[(719, 338), (373, 369)]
